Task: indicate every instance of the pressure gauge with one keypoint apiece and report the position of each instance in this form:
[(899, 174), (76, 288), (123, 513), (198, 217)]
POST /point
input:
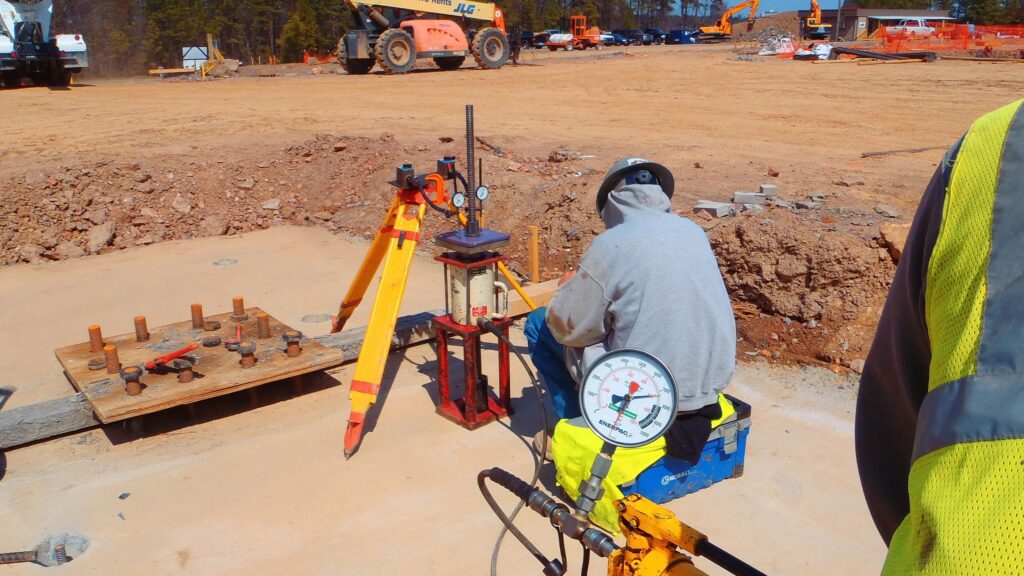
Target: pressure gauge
[(482, 193), (458, 199), (628, 398)]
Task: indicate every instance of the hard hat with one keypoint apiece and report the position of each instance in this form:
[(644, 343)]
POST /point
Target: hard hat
[(624, 167)]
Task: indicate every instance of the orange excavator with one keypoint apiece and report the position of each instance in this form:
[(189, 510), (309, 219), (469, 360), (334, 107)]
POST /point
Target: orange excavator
[(814, 28), (723, 29)]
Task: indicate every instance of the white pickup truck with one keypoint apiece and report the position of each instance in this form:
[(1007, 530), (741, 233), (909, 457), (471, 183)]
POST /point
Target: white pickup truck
[(914, 26), (28, 50)]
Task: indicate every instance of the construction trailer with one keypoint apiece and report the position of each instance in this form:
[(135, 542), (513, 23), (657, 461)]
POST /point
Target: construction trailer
[(28, 50), (395, 33)]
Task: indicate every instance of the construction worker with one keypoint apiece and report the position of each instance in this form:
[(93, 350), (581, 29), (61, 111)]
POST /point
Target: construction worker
[(940, 412), (649, 282)]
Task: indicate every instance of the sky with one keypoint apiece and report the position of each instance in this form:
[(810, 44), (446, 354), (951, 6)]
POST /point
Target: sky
[(788, 5)]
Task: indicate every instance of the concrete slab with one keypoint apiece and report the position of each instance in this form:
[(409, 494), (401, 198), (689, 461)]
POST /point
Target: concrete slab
[(297, 274), (267, 490)]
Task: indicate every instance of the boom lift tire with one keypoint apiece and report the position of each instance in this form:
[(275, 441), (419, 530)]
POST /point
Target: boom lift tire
[(396, 51), (449, 62), (569, 47), (490, 48)]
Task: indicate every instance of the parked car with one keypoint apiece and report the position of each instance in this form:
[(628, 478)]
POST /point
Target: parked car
[(612, 39), (658, 36), (540, 40), (526, 39), (912, 26), (635, 37), (683, 37)]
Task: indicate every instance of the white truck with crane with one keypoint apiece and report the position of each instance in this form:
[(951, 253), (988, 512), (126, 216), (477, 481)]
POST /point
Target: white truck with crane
[(29, 50), (395, 33)]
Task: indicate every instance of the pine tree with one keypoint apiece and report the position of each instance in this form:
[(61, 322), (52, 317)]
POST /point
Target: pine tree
[(300, 32)]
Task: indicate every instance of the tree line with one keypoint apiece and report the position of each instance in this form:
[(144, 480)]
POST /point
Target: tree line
[(130, 36)]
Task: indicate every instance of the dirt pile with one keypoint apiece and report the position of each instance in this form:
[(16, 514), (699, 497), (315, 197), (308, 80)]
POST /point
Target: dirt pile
[(788, 266), (813, 278), (784, 23), (816, 291)]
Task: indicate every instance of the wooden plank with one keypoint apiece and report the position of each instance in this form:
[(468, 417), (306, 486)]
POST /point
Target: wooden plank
[(35, 422), (900, 151), (540, 294), (45, 420), (991, 60), (218, 371), (171, 71)]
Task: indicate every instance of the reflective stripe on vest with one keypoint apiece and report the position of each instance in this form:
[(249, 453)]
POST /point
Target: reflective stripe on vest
[(966, 484), (975, 312)]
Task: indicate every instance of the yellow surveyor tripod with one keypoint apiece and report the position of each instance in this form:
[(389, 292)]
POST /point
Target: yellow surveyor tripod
[(394, 246)]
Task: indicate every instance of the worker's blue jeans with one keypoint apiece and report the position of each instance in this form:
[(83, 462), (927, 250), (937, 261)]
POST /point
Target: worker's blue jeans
[(549, 357)]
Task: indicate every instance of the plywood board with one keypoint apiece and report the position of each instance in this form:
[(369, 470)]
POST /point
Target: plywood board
[(217, 369)]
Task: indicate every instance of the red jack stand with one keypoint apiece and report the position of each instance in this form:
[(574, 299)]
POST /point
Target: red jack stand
[(476, 407)]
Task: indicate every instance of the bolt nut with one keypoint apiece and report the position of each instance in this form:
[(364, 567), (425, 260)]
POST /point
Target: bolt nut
[(231, 344), (131, 373), (181, 364), (292, 336), (211, 326), (211, 341), (97, 364), (247, 348)]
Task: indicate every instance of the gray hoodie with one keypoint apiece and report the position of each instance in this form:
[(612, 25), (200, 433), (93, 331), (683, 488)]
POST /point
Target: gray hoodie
[(651, 282)]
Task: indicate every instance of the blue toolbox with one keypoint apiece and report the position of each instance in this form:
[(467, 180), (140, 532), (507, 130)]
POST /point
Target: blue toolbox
[(721, 459)]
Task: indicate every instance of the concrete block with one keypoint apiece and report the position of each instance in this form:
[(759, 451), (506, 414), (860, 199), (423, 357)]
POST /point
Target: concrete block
[(808, 204), (769, 190), (749, 198), (752, 208), (716, 209)]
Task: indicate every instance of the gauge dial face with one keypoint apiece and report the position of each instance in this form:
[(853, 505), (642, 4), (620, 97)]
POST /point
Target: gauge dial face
[(628, 398), (458, 200), (482, 193)]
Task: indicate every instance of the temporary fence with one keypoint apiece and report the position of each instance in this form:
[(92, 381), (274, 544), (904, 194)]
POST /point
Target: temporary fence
[(943, 36)]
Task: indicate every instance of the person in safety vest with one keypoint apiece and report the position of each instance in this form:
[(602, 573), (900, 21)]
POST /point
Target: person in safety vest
[(940, 411), (649, 282)]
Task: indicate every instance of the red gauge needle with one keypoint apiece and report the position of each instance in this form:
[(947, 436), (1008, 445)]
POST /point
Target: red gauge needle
[(633, 387)]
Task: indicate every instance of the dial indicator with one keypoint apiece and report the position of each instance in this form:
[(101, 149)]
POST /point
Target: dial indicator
[(628, 398), (458, 200)]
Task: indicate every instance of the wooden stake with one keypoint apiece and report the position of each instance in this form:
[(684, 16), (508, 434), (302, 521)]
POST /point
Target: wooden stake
[(534, 254)]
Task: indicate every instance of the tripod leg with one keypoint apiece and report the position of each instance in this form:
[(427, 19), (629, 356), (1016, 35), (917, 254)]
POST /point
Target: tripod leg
[(377, 343), (366, 270)]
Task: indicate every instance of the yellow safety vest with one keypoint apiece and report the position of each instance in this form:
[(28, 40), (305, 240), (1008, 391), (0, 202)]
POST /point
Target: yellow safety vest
[(574, 447), (966, 482)]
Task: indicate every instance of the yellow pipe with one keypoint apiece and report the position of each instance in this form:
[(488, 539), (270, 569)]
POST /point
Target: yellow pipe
[(515, 285)]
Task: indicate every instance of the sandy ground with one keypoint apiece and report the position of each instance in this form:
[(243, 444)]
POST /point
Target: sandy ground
[(267, 491), (680, 105)]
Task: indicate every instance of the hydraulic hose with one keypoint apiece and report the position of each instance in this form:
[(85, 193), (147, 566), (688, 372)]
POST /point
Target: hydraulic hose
[(730, 563), (538, 459), (447, 213)]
